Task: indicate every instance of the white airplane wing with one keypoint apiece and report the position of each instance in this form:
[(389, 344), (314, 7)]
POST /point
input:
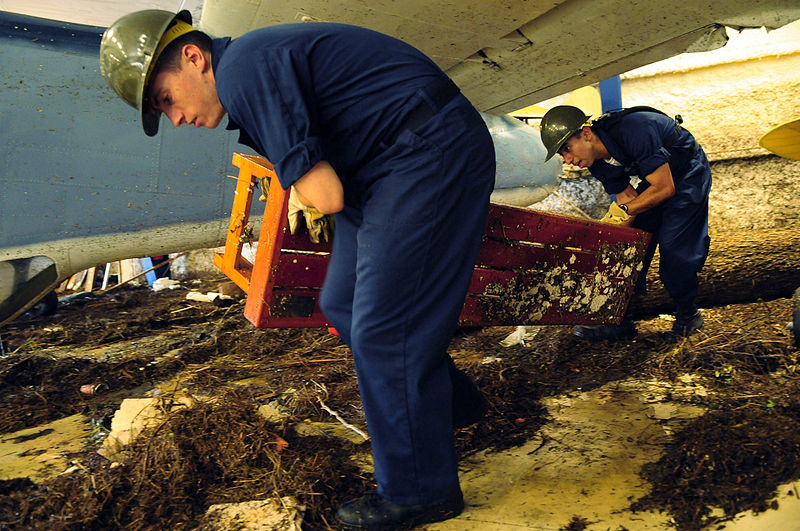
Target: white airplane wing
[(508, 54)]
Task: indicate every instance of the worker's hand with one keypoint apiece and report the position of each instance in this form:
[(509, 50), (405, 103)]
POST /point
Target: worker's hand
[(616, 215), (320, 226)]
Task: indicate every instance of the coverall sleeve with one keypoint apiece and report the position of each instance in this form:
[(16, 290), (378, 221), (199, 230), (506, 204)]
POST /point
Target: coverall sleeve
[(271, 97)]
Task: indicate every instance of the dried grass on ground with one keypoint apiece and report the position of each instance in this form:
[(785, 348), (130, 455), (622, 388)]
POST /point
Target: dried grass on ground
[(223, 451)]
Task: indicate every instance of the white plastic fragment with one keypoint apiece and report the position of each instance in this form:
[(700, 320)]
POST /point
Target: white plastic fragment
[(165, 283), (211, 296), (520, 336)]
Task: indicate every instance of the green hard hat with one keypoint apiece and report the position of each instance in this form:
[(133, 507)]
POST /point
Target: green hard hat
[(129, 50), (558, 124)]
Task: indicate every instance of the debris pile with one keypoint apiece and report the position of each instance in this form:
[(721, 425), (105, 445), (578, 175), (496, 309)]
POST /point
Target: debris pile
[(216, 452), (224, 450), (726, 460)]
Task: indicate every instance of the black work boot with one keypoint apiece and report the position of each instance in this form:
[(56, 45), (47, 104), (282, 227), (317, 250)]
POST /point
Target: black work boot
[(609, 332), (469, 404), (688, 320), (372, 512)]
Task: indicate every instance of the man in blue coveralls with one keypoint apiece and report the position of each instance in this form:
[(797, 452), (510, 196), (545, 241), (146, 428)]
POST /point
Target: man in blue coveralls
[(364, 126), (670, 201)]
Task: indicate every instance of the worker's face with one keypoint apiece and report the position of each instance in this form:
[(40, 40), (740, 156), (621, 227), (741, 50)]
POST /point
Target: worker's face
[(578, 150), (188, 95)]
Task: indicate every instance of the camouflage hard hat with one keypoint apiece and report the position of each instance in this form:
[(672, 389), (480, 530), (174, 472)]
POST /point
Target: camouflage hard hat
[(558, 124), (129, 50)]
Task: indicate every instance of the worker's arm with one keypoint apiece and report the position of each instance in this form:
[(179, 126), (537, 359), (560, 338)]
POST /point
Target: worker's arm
[(321, 188), (626, 196), (661, 188)]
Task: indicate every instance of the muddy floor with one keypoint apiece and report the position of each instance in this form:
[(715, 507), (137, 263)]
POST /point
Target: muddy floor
[(132, 342)]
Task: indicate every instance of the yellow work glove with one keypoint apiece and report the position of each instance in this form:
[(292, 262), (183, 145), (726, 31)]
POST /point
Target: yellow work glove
[(616, 215), (320, 226)]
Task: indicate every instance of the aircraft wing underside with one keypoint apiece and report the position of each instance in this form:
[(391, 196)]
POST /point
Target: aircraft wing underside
[(509, 54)]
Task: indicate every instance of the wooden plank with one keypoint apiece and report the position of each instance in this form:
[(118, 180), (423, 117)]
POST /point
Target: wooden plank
[(546, 296), (76, 280), (515, 255), (301, 242), (270, 240), (301, 270), (293, 308), (106, 275), (127, 270), (89, 284), (553, 230)]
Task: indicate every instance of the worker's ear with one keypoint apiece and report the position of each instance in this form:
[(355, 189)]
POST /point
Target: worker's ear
[(192, 55), (587, 133)]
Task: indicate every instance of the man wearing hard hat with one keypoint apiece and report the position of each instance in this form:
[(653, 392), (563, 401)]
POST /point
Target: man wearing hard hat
[(364, 126), (670, 201)]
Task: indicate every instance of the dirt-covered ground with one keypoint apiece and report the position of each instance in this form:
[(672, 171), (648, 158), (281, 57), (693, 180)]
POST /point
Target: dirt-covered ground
[(133, 340)]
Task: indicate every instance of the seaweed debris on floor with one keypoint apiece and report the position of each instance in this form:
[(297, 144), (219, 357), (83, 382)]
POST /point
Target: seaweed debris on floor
[(127, 343), (219, 451)]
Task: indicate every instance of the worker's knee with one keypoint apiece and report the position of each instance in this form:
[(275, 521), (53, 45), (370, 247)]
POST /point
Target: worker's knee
[(337, 312), (682, 261), (365, 338)]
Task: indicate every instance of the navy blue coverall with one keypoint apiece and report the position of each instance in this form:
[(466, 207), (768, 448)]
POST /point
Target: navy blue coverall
[(640, 142), (417, 166)]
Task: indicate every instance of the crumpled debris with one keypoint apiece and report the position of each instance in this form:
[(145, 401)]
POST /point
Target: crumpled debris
[(285, 514), (136, 414), (520, 336), (165, 283), (217, 299)]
